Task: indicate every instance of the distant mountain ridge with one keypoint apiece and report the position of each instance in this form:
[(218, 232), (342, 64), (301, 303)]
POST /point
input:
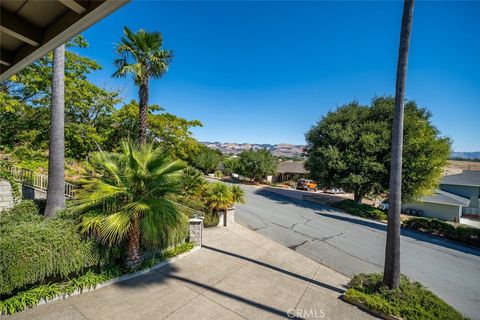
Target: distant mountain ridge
[(281, 149), (466, 155), (294, 150)]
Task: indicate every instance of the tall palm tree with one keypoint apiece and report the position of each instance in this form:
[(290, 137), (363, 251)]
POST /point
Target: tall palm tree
[(127, 198), (56, 149), (141, 55), (391, 275)]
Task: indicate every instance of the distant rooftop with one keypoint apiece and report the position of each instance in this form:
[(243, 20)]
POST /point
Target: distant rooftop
[(444, 197), (466, 178), (291, 167)]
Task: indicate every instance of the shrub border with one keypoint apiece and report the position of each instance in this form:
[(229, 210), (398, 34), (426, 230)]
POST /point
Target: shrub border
[(425, 233)]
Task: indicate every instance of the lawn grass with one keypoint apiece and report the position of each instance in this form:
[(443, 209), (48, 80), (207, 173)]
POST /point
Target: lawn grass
[(410, 301)]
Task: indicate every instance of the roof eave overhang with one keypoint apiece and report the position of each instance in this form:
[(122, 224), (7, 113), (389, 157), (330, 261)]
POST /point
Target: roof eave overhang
[(64, 29)]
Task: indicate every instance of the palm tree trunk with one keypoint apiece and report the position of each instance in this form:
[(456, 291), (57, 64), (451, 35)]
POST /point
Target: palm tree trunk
[(56, 150), (142, 117), (391, 276), (133, 244)]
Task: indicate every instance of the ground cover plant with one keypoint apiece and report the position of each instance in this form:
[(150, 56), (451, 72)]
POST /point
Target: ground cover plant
[(410, 301)]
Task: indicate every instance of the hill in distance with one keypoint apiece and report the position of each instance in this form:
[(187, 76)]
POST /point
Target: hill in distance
[(466, 155), (281, 149), (296, 151)]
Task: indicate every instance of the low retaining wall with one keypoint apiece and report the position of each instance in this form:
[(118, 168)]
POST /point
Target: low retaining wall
[(6, 195)]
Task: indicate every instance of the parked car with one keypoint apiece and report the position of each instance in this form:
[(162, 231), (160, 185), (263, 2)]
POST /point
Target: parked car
[(383, 205), (334, 191), (304, 184)]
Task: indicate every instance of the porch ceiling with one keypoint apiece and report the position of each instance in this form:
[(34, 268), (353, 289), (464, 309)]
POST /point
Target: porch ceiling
[(29, 29)]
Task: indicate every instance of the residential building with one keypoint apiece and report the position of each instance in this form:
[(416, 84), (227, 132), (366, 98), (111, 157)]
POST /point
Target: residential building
[(290, 170), (457, 197)]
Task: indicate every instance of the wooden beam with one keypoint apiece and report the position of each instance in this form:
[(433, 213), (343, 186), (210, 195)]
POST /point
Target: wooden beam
[(73, 5), (20, 28), (64, 29), (6, 57)]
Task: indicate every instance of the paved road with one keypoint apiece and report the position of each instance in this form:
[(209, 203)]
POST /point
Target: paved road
[(352, 245)]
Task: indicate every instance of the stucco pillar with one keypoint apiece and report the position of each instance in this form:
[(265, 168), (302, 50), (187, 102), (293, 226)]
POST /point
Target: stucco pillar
[(195, 227)]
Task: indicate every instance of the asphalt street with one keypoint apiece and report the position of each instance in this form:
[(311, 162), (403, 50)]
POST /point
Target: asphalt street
[(351, 245)]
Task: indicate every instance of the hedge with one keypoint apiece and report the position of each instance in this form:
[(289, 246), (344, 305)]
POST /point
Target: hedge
[(361, 210), (446, 230), (32, 296), (410, 301), (34, 249)]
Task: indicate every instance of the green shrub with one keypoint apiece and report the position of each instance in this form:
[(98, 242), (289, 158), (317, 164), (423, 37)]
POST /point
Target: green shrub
[(361, 210), (24, 211), (446, 230), (34, 249), (31, 297), (410, 301), (7, 175), (211, 219)]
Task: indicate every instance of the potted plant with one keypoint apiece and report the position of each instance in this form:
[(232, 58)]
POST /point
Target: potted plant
[(220, 198)]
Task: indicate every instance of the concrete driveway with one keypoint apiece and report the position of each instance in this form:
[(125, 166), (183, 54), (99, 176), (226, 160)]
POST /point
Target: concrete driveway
[(351, 245), (238, 274)]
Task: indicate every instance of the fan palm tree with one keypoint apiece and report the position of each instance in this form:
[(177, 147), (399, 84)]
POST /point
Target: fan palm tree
[(238, 195), (193, 183), (219, 197), (391, 275), (127, 198), (56, 149), (141, 55)]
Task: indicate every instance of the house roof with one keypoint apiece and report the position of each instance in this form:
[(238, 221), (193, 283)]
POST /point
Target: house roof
[(29, 29), (443, 197), (291, 167), (466, 178)]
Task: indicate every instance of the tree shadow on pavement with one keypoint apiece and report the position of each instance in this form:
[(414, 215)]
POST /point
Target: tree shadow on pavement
[(279, 199), (170, 271), (272, 267)]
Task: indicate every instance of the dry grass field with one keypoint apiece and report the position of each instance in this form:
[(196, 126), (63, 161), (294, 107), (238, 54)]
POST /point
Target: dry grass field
[(455, 166)]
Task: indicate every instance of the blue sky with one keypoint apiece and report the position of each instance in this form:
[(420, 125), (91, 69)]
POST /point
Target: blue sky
[(265, 72)]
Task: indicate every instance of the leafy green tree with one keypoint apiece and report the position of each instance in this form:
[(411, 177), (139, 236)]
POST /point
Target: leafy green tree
[(255, 164), (141, 55), (127, 199), (25, 104), (172, 133), (350, 148), (207, 159), (231, 165)]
